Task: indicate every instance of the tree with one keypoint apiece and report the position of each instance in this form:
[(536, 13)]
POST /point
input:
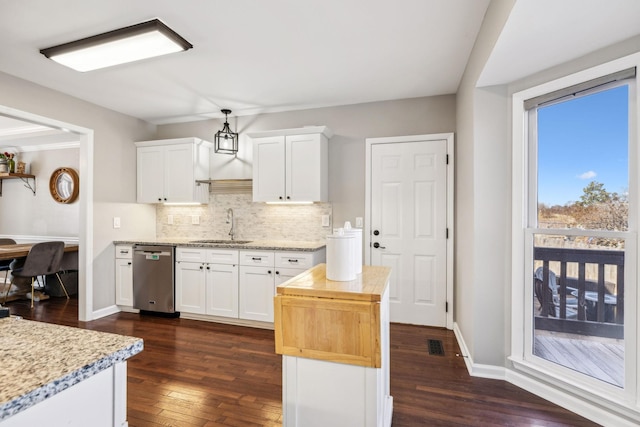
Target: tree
[(594, 193)]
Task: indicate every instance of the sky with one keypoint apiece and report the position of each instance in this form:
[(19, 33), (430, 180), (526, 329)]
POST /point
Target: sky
[(582, 140)]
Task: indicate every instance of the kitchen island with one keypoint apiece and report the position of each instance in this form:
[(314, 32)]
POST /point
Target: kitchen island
[(334, 338), (62, 376)]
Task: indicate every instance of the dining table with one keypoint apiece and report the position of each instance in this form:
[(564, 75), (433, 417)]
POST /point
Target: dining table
[(21, 250)]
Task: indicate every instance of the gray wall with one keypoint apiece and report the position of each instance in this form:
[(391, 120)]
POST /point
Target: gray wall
[(114, 169), (482, 202), (350, 124)]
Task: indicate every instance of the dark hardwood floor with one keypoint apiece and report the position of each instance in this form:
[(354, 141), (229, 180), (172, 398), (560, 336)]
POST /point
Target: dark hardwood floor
[(205, 374)]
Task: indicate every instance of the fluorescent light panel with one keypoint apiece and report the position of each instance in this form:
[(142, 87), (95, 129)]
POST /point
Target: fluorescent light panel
[(129, 44)]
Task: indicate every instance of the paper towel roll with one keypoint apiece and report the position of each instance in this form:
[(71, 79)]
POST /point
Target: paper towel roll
[(357, 247), (340, 265)]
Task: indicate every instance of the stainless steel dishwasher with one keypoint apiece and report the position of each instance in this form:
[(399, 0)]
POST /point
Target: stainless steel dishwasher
[(153, 278)]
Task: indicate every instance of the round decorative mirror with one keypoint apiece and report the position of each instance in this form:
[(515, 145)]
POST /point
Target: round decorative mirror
[(63, 185)]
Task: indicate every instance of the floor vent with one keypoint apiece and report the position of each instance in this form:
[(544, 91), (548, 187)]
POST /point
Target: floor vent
[(435, 348)]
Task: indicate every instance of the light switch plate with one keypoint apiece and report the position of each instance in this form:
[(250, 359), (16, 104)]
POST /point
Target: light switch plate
[(359, 223), (116, 222), (195, 219), (326, 220), (170, 219)]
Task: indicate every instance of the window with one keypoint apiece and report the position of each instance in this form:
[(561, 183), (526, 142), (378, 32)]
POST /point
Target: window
[(575, 251)]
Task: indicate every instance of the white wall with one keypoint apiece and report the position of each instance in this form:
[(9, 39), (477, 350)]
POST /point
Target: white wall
[(24, 213), (351, 124)]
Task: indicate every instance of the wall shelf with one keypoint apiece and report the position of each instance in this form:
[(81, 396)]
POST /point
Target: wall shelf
[(21, 176)]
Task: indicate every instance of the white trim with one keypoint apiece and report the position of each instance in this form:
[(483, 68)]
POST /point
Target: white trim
[(579, 393), (35, 239), (104, 312), (449, 137), (48, 147), (85, 231)]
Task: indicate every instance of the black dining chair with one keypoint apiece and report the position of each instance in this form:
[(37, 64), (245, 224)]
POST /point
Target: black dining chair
[(6, 264), (43, 259)]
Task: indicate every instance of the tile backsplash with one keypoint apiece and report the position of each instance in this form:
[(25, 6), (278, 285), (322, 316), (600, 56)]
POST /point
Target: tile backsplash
[(254, 221)]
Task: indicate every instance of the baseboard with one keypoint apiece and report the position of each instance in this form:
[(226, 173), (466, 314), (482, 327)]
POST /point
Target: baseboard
[(104, 312), (569, 401)]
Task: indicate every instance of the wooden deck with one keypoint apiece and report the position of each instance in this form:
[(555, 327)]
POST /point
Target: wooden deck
[(601, 358)]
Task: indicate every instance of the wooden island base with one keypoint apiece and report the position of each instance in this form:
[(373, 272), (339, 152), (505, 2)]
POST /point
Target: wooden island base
[(334, 338)]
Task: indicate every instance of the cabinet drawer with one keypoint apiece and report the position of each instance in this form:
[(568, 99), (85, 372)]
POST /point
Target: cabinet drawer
[(191, 254), (124, 252), (302, 260), (263, 258), (222, 256)]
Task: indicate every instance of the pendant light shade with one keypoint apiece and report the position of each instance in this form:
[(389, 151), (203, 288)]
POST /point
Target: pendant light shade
[(139, 41), (226, 142)]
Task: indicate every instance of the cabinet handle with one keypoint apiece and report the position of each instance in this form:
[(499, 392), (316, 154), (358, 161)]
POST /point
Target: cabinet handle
[(288, 197), (280, 197), (293, 260), (256, 258), (201, 267), (208, 268), (159, 199), (129, 263), (269, 271), (277, 272)]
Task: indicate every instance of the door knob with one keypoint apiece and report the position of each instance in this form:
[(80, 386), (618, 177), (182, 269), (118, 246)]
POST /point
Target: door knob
[(376, 232), (377, 245)]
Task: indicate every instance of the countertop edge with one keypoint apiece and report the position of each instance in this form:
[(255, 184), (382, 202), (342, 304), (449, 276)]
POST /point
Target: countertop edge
[(46, 391), (312, 246)]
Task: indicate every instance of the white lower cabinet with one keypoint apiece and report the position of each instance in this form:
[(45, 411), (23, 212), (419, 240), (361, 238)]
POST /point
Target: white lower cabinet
[(235, 284), (124, 276), (204, 287)]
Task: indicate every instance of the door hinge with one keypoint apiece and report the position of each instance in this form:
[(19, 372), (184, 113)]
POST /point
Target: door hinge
[(447, 159), (446, 307), (447, 233)]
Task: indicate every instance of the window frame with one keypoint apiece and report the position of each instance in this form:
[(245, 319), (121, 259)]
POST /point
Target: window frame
[(524, 226)]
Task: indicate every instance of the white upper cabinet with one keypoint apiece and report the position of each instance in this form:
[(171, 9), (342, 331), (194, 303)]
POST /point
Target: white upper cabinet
[(291, 165), (168, 170)]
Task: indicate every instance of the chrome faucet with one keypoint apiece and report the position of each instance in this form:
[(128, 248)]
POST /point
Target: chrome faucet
[(232, 232)]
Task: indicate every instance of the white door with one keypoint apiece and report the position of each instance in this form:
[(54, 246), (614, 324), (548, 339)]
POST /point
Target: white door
[(150, 174), (124, 282), (268, 169), (304, 168), (256, 293), (190, 287), (409, 227), (178, 173), (222, 290)]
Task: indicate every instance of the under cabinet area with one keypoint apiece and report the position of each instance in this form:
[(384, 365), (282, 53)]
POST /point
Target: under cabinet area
[(291, 165), (167, 171), (124, 276)]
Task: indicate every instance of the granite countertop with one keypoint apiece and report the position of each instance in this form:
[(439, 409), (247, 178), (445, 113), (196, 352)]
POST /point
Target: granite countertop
[(368, 286), (40, 360), (264, 245)]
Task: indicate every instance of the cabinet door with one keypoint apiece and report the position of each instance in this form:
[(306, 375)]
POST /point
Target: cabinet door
[(268, 169), (124, 282), (150, 174), (256, 293), (222, 290), (284, 274), (190, 287), (306, 162), (179, 183)]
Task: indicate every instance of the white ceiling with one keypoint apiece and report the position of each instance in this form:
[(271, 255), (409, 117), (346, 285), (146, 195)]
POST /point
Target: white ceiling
[(265, 56), (250, 56)]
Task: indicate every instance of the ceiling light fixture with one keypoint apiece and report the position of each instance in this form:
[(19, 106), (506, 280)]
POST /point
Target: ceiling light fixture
[(140, 41), (226, 142)]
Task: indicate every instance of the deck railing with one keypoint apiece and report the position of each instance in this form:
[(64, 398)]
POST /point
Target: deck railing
[(599, 311)]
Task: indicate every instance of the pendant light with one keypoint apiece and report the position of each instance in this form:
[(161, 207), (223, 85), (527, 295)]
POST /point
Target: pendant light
[(226, 142)]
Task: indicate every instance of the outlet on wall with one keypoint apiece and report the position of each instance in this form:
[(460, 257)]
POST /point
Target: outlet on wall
[(326, 220), (359, 223), (169, 219), (195, 219), (116, 222)]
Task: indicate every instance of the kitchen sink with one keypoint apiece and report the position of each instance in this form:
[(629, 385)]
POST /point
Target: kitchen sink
[(228, 242)]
